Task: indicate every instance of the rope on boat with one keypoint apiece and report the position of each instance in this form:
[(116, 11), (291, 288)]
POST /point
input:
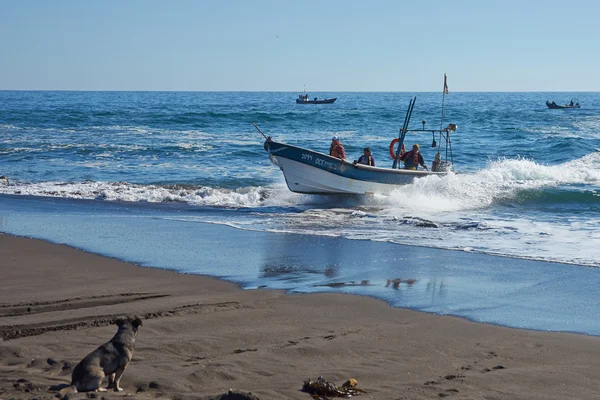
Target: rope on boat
[(261, 132)]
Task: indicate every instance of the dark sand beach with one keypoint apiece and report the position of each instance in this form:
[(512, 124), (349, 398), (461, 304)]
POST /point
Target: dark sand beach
[(202, 337)]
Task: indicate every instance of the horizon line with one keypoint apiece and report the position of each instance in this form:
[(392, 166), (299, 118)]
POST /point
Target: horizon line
[(293, 91)]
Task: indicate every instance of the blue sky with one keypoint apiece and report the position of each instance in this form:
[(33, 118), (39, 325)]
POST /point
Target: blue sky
[(337, 45)]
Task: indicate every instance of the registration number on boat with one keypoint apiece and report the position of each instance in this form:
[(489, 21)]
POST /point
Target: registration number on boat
[(323, 163), (317, 161)]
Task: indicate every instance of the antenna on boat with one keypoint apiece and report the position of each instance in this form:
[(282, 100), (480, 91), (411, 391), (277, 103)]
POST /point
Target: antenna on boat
[(261, 132), (444, 93), (403, 131)]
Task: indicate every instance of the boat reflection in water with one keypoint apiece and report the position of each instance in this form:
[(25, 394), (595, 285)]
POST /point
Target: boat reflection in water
[(294, 271), (395, 283)]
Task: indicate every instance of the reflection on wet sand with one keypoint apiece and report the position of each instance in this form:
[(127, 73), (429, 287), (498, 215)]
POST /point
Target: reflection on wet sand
[(282, 269), (395, 283), (342, 284), (434, 288)]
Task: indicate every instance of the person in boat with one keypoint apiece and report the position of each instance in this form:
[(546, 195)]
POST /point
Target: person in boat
[(413, 158), (336, 149), (571, 103), (435, 164), (366, 158)]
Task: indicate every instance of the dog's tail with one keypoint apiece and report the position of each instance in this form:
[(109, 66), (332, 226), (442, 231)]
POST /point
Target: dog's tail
[(65, 392)]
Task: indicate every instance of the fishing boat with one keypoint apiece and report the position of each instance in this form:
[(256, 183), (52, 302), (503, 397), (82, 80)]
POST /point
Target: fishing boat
[(553, 105), (303, 99), (312, 172)]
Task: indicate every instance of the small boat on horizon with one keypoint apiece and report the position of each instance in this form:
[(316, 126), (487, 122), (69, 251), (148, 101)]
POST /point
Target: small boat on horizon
[(303, 99), (553, 106)]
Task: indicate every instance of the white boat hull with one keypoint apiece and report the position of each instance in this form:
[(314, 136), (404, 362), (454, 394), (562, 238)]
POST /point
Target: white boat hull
[(311, 172), (302, 178)]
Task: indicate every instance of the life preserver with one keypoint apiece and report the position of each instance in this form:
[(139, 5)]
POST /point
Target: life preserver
[(392, 151)]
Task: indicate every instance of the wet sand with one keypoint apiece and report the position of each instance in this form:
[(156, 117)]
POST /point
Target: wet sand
[(202, 336)]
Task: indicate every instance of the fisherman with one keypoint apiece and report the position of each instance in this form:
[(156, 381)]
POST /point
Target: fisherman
[(435, 164), (366, 158), (336, 149), (413, 158)]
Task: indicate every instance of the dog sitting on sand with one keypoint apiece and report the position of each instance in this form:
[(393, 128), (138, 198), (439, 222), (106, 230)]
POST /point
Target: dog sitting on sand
[(110, 360)]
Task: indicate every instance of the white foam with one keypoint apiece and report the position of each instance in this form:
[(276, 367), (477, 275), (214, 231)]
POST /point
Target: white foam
[(452, 212), (501, 180), (119, 191)]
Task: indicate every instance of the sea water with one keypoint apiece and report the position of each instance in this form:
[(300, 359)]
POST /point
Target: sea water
[(527, 187)]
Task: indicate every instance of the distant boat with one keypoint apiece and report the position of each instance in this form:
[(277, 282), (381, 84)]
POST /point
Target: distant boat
[(303, 99), (553, 105)]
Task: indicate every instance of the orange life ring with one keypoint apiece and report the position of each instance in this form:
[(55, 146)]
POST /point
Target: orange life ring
[(392, 151)]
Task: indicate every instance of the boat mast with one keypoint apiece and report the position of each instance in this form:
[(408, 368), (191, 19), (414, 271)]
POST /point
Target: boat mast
[(444, 93), (403, 131)]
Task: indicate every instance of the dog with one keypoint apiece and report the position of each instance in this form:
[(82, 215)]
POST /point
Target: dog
[(110, 360)]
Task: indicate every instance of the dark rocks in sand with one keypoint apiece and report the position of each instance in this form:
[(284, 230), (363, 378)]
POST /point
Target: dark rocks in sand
[(52, 361), (23, 385), (453, 376), (142, 388), (237, 395), (426, 224), (67, 366)]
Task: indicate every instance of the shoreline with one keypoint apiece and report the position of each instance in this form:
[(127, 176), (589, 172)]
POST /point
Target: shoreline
[(202, 336), (512, 292), (235, 285)]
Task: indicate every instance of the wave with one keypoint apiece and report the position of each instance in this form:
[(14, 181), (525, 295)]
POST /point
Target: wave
[(503, 181), (128, 192)]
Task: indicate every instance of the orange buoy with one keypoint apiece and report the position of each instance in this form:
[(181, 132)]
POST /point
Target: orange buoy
[(392, 151)]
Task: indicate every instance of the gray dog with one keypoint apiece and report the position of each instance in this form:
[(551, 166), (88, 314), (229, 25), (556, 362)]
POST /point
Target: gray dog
[(110, 360)]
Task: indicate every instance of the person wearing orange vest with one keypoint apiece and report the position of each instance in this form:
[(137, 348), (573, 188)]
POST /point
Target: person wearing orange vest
[(336, 149), (413, 158)]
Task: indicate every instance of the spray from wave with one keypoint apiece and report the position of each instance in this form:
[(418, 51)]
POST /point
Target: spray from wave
[(502, 181)]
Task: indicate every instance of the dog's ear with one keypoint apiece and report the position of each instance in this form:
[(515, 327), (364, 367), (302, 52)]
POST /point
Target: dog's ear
[(137, 321), (120, 321)]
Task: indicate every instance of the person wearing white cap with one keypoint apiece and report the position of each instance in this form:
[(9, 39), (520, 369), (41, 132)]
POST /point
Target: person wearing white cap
[(336, 149)]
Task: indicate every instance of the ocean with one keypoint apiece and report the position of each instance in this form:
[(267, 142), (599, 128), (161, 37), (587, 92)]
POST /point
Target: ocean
[(107, 171)]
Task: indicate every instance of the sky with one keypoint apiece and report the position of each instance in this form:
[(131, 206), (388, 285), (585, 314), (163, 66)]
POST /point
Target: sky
[(278, 45)]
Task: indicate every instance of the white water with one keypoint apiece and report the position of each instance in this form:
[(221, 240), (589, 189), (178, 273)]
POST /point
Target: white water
[(472, 212)]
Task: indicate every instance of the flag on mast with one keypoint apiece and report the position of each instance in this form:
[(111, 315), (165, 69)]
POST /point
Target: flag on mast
[(445, 84)]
